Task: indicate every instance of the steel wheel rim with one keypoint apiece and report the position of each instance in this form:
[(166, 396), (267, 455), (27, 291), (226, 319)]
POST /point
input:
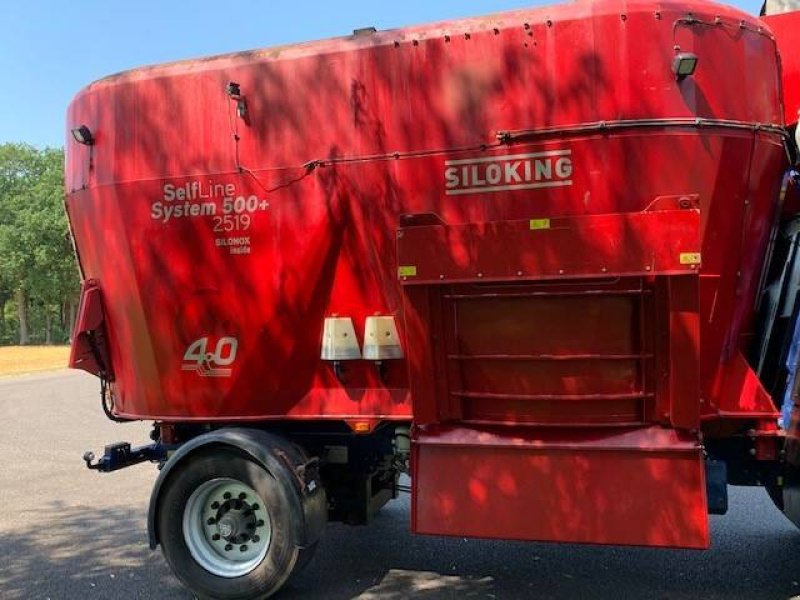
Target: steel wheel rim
[(226, 527)]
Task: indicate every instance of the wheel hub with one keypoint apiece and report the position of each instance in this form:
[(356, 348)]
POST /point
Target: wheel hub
[(226, 527), (236, 521)]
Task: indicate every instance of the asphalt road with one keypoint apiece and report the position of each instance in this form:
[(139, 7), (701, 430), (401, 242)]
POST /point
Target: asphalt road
[(66, 532)]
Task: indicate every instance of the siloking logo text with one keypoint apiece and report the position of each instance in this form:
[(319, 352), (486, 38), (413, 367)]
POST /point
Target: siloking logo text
[(552, 168)]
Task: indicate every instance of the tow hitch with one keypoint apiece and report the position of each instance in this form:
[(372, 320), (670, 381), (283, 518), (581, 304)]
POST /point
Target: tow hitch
[(120, 455)]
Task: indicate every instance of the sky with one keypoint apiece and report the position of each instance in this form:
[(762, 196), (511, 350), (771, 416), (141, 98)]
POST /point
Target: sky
[(50, 49)]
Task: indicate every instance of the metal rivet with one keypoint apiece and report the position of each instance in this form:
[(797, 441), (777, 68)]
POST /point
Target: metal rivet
[(561, 271), (648, 268), (519, 273), (604, 270), (480, 274), (441, 276)]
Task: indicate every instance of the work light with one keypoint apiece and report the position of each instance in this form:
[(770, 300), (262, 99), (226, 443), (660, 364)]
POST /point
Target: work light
[(83, 135), (684, 65)]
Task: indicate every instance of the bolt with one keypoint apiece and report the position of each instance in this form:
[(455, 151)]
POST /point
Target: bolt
[(227, 495), (255, 507), (243, 548), (256, 539), (215, 537), (259, 523), (228, 547), (211, 521), (242, 496), (215, 505)]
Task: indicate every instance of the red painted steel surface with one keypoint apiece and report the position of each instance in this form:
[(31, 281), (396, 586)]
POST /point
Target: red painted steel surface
[(384, 114), (786, 28), (570, 239), (641, 487), (566, 247), (89, 350)]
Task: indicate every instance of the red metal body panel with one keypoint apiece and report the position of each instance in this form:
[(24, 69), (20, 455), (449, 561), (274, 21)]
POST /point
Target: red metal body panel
[(642, 487), (570, 239), (383, 114), (787, 36), (89, 350)]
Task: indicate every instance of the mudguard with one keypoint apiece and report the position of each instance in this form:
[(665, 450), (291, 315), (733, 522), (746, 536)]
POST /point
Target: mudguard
[(272, 452)]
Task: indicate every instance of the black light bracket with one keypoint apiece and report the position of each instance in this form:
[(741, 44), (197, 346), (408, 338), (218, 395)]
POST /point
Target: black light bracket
[(234, 91)]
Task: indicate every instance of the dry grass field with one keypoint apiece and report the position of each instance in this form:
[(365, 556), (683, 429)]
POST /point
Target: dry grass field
[(15, 360)]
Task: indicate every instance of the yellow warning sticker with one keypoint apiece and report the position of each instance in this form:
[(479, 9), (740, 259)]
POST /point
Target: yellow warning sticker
[(407, 271), (540, 224), (690, 258)]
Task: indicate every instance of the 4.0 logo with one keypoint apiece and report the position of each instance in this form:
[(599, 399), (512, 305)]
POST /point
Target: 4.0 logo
[(206, 363)]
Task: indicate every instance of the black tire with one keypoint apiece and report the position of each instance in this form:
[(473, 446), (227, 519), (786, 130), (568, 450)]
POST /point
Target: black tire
[(285, 515), (304, 557)]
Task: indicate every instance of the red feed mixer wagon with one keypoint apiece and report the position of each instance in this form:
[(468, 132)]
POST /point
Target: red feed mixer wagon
[(544, 262)]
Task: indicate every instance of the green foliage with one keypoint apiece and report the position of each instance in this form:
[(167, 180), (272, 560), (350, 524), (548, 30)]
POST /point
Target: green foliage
[(37, 265)]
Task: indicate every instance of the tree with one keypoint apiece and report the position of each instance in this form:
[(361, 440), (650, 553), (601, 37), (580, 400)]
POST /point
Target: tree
[(36, 259)]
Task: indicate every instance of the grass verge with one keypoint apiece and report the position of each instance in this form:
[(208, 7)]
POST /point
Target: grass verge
[(15, 360)]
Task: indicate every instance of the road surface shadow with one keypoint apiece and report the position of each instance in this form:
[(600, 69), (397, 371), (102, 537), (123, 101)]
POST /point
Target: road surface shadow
[(95, 552)]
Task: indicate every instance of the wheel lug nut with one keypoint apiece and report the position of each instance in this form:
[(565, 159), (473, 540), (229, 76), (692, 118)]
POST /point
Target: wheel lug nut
[(228, 547), (211, 520), (256, 539), (251, 526), (242, 496), (248, 512), (243, 548), (255, 507), (215, 505), (227, 495), (259, 523), (215, 537)]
